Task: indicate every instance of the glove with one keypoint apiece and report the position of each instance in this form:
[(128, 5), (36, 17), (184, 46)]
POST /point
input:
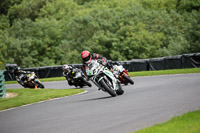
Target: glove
[(109, 66), (101, 62), (104, 63)]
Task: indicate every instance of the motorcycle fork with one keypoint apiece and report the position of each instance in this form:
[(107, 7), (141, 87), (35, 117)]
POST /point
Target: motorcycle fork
[(112, 82), (125, 72)]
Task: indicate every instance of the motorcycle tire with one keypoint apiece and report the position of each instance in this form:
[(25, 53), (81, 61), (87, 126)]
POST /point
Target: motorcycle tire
[(120, 91), (128, 79), (87, 83), (40, 85), (108, 89), (22, 84), (84, 82)]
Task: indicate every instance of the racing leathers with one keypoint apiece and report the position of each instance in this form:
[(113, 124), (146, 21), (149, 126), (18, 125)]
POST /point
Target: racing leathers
[(68, 75), (94, 56), (21, 77)]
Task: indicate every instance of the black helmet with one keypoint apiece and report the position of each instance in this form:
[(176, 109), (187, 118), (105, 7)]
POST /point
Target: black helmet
[(17, 70)]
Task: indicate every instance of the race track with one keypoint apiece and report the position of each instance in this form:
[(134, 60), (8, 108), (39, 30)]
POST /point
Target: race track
[(151, 100)]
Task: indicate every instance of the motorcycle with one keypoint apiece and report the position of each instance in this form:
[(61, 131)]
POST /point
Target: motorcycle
[(78, 78), (31, 81), (122, 74), (103, 78)]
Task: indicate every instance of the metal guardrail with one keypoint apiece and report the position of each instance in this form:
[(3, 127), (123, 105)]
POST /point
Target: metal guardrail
[(2, 85)]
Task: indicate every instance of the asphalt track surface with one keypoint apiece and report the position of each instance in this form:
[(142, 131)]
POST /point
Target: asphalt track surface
[(151, 100)]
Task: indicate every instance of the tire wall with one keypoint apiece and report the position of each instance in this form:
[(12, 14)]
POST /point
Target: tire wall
[(162, 63)]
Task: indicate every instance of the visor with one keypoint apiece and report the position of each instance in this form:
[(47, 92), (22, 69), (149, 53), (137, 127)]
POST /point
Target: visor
[(88, 60)]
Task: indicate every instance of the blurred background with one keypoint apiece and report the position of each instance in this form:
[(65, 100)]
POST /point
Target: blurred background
[(35, 33)]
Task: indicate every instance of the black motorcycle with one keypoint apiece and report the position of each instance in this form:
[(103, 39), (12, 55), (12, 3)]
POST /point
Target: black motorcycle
[(30, 81), (77, 78)]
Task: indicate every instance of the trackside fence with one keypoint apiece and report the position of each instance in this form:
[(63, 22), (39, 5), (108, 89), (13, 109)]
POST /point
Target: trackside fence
[(162, 63)]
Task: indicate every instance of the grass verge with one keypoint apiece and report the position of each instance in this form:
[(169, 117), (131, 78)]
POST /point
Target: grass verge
[(28, 96), (42, 80), (187, 123), (165, 72), (132, 74)]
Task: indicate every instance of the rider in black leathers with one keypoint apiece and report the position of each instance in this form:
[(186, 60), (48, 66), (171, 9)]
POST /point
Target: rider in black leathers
[(21, 76), (67, 73), (75, 76)]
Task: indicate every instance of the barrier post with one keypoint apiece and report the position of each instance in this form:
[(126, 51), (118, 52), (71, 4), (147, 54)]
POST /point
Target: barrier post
[(2, 85)]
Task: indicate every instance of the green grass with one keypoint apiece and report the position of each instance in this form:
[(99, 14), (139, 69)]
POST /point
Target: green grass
[(27, 96), (165, 72), (42, 80), (53, 79), (187, 123), (133, 74)]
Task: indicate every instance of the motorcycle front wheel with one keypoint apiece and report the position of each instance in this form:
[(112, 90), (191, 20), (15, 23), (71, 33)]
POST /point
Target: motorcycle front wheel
[(40, 85), (120, 91), (87, 83), (108, 89), (128, 79)]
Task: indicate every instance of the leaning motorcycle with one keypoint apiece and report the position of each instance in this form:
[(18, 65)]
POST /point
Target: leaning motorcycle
[(122, 74), (78, 78), (103, 78), (31, 81)]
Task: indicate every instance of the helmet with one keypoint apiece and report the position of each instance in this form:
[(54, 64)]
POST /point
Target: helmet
[(17, 70), (66, 68), (86, 56)]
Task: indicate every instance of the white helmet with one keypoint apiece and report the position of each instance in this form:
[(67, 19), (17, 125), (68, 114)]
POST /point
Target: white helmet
[(65, 68)]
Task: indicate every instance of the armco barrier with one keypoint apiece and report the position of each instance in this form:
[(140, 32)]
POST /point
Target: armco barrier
[(2, 85), (162, 63)]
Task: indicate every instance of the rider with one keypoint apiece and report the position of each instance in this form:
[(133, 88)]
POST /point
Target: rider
[(67, 72), (21, 76), (87, 57)]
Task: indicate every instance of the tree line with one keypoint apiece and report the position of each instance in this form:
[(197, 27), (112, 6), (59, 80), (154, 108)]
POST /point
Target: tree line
[(37, 33)]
